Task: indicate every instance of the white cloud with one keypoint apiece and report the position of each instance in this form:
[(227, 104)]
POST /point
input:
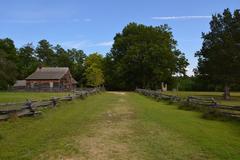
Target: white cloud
[(189, 71), (76, 44), (181, 17), (83, 44), (106, 43), (87, 19), (76, 20)]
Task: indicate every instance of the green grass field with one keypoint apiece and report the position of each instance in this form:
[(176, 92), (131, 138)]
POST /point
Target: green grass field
[(235, 96), (22, 96), (118, 126)]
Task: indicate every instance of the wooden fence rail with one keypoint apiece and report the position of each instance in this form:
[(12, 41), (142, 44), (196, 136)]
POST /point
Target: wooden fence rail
[(208, 103), (158, 95), (8, 110)]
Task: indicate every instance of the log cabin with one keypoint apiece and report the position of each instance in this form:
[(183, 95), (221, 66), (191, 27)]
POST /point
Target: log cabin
[(51, 79)]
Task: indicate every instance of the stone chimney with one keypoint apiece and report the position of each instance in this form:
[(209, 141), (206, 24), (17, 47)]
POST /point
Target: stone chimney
[(39, 67)]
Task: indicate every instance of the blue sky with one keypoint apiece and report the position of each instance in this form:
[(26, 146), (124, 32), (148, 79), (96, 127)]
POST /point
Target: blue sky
[(90, 25)]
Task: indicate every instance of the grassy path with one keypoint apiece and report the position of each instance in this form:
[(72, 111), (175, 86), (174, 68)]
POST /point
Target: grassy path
[(166, 132), (119, 126)]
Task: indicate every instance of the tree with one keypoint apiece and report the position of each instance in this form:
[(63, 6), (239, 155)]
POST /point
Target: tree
[(94, 76), (62, 58), (143, 56), (8, 48), (45, 53), (219, 57), (78, 58), (94, 70), (27, 62), (18, 64), (8, 59)]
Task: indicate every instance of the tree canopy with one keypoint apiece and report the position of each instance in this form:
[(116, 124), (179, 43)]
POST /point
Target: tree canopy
[(8, 58), (94, 70), (27, 61), (143, 56), (219, 57), (19, 63)]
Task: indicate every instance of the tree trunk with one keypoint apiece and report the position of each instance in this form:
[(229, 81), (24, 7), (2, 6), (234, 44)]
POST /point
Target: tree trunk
[(226, 92)]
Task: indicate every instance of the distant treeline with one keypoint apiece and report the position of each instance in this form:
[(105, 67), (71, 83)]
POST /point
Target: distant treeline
[(19, 63), (141, 57), (196, 83)]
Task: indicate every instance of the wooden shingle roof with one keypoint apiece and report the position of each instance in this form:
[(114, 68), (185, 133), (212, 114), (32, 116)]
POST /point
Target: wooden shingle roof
[(49, 73), (73, 81), (20, 83)]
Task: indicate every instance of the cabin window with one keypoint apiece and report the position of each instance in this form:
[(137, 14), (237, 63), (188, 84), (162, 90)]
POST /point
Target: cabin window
[(51, 84)]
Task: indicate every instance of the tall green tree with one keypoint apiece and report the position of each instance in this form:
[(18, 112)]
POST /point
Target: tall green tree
[(78, 58), (27, 61), (45, 53), (219, 57), (94, 76), (73, 59), (94, 70), (62, 58), (18, 64), (8, 60), (143, 56)]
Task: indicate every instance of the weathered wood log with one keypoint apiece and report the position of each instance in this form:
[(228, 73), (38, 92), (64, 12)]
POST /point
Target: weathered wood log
[(235, 108), (158, 95), (202, 101), (31, 107), (207, 102), (10, 104)]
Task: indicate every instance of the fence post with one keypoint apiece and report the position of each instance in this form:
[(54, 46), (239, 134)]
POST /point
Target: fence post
[(29, 105), (214, 102), (188, 101), (54, 101), (70, 97)]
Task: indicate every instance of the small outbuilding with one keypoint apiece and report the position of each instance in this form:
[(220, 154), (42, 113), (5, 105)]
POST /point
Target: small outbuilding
[(51, 79), (20, 85)]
